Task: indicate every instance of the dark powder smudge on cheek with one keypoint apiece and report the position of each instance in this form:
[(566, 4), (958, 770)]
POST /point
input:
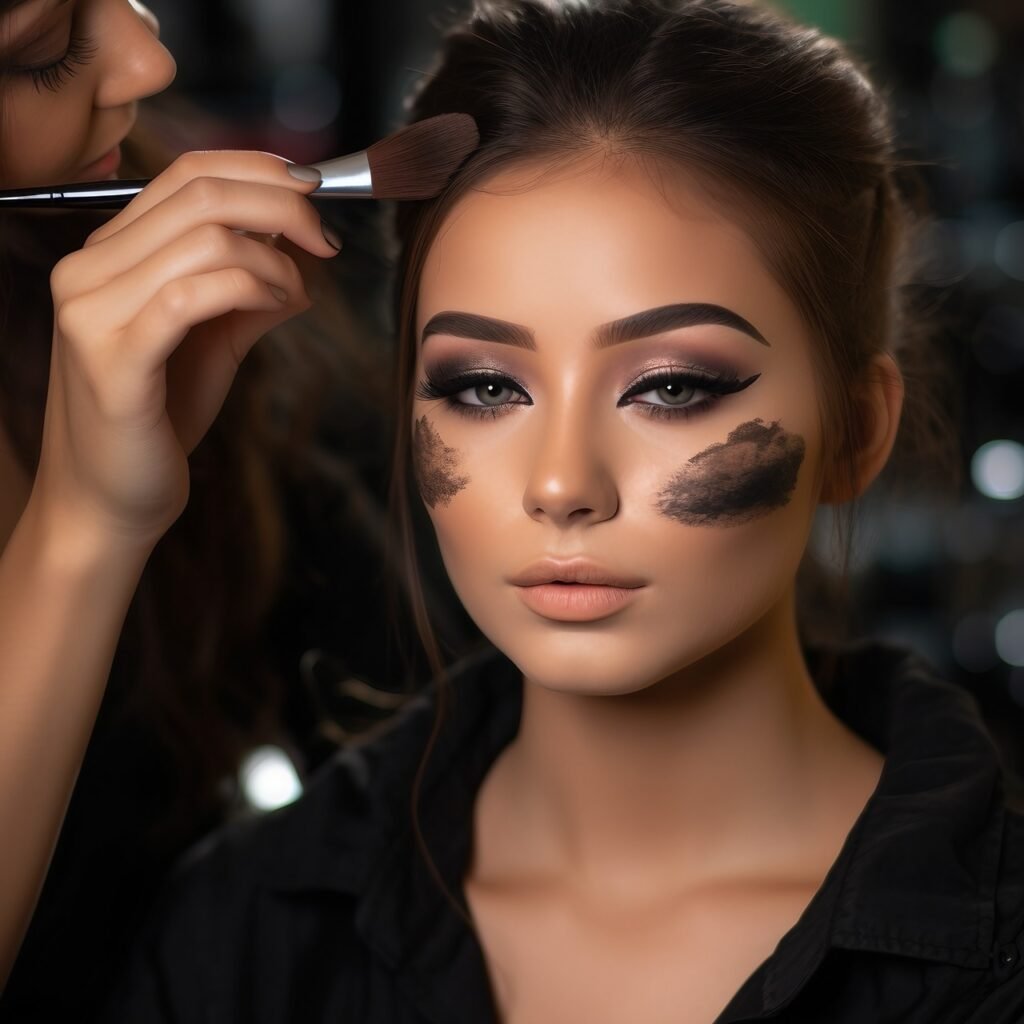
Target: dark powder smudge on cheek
[(435, 465), (731, 482)]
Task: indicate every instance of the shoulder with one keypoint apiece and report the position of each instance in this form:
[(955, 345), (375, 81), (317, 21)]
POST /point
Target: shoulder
[(266, 902)]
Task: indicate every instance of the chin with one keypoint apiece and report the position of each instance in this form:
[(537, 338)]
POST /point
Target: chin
[(584, 661)]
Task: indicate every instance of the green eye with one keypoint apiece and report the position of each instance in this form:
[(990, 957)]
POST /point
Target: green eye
[(492, 394), (675, 393)]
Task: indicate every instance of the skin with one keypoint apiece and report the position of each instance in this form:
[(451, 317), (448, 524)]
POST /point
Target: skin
[(628, 861), (152, 320), (59, 134)]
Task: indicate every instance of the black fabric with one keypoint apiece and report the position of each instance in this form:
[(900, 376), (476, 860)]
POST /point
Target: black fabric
[(327, 911)]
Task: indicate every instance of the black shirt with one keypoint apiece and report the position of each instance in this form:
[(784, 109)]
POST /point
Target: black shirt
[(327, 911)]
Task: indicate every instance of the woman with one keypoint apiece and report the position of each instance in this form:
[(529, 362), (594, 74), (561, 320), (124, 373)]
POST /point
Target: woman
[(193, 686), (652, 324)]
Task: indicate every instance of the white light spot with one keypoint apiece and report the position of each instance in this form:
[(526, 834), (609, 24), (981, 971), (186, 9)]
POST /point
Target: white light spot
[(1010, 638), (269, 779), (997, 470)]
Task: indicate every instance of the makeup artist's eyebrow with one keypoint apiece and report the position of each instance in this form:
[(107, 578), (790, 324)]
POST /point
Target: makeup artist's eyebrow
[(667, 318), (479, 328)]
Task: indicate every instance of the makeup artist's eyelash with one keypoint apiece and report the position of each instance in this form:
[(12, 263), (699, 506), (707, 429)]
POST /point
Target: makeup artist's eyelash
[(714, 385), (80, 52), (449, 387)]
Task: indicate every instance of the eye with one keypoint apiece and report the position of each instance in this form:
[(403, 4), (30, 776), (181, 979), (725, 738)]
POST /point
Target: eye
[(53, 76), (675, 392), (473, 392), (492, 393)]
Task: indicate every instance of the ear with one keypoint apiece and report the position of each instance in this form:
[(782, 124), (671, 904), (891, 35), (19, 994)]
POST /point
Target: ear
[(879, 403)]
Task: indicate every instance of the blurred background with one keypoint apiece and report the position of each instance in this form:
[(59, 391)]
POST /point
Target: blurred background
[(314, 78)]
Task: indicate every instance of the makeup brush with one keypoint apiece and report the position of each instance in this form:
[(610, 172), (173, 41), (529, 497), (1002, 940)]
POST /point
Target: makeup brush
[(413, 163)]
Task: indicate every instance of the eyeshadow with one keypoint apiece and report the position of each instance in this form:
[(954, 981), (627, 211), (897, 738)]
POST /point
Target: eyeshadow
[(435, 465), (751, 473)]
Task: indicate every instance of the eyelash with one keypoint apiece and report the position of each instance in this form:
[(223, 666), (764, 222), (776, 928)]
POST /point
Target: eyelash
[(439, 386), (80, 52)]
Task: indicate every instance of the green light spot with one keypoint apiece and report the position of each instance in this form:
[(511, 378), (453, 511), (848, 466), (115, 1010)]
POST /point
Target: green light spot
[(965, 44)]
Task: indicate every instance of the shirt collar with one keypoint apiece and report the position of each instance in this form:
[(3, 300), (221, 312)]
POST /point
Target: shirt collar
[(916, 876)]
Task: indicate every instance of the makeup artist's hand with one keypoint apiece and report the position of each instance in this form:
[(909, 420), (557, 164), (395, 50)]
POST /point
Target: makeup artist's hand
[(152, 320)]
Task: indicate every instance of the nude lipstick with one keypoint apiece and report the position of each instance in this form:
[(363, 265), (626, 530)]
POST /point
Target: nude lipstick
[(577, 590)]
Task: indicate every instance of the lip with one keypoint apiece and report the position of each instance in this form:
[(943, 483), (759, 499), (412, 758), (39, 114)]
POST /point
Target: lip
[(106, 166), (573, 570), (576, 590)]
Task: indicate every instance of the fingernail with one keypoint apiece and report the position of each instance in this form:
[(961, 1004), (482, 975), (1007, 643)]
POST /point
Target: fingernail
[(305, 173), (332, 237), (279, 293)]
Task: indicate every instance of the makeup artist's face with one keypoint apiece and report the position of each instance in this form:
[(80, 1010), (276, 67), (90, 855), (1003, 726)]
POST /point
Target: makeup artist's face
[(649, 425), (73, 71)]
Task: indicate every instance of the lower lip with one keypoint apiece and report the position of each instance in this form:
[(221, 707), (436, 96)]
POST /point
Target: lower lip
[(575, 602), (104, 167)]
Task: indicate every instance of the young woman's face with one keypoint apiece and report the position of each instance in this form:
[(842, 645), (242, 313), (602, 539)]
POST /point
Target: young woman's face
[(72, 72), (616, 429)]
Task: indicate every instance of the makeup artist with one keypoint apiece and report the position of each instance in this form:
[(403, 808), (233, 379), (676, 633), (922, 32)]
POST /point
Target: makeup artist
[(191, 686)]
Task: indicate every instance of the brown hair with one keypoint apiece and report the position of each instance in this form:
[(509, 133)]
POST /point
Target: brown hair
[(776, 120)]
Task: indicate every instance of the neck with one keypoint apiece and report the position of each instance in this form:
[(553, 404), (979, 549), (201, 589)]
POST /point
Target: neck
[(730, 766)]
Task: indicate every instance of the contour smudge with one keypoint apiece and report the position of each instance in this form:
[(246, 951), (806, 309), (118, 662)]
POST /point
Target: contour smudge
[(731, 482), (435, 465)]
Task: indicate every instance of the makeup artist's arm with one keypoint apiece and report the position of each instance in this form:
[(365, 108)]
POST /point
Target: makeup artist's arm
[(152, 319)]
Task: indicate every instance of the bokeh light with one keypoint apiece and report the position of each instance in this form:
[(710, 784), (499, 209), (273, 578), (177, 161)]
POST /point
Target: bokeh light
[(1009, 638), (997, 470), (269, 779), (966, 43)]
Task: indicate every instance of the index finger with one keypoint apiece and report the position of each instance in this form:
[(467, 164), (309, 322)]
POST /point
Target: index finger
[(240, 165)]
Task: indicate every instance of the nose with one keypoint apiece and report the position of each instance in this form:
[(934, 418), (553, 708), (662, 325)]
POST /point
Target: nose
[(570, 481), (135, 64)]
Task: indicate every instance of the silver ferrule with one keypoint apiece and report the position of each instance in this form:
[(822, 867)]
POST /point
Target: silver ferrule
[(346, 176)]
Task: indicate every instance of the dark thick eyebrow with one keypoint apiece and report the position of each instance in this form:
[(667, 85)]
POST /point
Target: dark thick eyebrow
[(667, 318), (480, 328), (629, 328)]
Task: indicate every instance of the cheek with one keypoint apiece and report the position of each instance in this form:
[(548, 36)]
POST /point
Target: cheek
[(749, 475), (44, 133), (436, 466)]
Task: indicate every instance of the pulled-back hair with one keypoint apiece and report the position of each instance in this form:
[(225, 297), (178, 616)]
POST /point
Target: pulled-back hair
[(778, 122)]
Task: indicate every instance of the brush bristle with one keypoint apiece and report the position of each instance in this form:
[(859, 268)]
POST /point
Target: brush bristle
[(416, 162)]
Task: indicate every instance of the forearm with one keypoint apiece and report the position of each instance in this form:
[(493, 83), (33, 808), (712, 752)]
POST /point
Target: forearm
[(63, 600)]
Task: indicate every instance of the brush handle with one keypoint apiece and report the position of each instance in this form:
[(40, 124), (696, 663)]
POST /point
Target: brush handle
[(97, 195), (347, 177)]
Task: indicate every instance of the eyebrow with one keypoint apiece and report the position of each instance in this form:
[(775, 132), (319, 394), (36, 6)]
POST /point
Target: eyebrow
[(629, 328)]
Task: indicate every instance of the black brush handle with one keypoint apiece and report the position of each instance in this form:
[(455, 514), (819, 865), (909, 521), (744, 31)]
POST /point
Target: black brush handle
[(94, 195)]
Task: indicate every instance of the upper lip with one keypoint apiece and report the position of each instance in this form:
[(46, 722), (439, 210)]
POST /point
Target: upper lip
[(574, 570)]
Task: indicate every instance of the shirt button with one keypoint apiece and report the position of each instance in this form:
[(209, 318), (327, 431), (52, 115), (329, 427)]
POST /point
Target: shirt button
[(1007, 957)]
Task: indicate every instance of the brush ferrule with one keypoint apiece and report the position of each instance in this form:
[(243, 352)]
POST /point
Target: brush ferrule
[(346, 176)]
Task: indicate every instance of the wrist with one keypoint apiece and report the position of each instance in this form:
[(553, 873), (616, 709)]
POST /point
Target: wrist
[(76, 543)]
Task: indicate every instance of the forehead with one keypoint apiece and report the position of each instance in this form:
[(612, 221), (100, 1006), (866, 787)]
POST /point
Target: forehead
[(567, 248)]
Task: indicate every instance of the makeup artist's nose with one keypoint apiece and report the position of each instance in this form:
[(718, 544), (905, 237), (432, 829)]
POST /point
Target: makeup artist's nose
[(570, 481), (135, 64)]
